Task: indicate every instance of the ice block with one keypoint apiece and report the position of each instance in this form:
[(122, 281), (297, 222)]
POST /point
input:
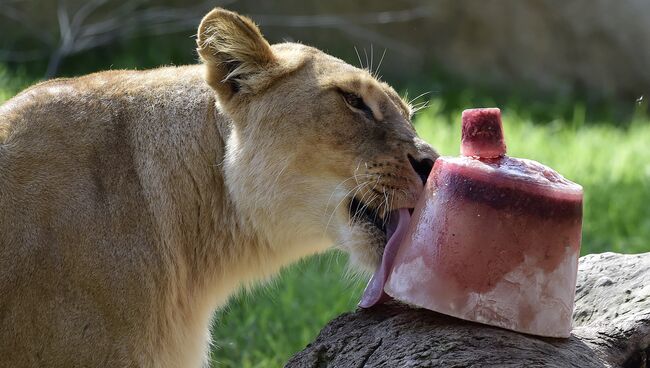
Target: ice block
[(493, 239)]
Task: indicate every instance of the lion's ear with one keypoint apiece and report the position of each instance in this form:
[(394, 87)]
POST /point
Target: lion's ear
[(234, 51)]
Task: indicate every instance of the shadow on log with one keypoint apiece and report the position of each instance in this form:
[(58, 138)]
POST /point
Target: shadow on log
[(611, 329)]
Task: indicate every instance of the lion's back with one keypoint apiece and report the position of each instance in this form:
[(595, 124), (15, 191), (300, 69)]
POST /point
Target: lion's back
[(77, 234)]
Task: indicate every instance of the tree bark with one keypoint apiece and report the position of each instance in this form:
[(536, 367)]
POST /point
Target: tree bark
[(611, 329)]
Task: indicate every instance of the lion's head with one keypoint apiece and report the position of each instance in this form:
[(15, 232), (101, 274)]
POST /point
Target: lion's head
[(320, 152)]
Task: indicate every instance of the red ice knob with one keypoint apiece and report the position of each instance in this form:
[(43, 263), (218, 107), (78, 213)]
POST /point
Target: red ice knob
[(482, 134)]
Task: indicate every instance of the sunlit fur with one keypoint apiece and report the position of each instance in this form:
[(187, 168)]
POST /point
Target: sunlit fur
[(135, 202)]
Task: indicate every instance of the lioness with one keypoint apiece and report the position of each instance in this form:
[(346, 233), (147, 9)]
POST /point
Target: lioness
[(135, 202)]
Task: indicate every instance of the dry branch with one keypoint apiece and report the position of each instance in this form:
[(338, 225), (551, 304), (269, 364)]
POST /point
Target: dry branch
[(100, 22), (611, 329)]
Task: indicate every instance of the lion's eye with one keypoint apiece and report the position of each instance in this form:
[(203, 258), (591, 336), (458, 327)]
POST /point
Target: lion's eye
[(356, 102)]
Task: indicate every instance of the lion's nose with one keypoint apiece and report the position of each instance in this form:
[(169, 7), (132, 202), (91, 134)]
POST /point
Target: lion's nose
[(422, 167)]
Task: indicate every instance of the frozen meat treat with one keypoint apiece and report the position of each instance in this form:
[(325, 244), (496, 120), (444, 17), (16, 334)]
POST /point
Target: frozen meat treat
[(493, 239)]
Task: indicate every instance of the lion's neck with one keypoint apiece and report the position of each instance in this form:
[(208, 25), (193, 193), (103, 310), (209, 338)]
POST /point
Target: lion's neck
[(205, 250), (211, 245)]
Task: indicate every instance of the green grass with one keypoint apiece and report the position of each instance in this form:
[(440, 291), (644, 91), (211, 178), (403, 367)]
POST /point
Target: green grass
[(607, 153), (12, 82), (612, 163)]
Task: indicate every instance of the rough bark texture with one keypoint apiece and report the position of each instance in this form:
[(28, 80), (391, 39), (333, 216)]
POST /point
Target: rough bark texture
[(611, 329)]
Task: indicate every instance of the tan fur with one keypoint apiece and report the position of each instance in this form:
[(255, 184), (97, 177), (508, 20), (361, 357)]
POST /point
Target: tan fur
[(134, 203)]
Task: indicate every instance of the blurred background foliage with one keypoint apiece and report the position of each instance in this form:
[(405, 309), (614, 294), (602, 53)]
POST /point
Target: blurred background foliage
[(571, 79)]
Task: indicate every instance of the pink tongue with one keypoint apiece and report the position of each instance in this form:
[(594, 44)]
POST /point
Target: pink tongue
[(395, 231)]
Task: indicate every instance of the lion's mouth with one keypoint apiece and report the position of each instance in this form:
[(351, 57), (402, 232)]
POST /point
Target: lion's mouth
[(393, 227), (360, 211)]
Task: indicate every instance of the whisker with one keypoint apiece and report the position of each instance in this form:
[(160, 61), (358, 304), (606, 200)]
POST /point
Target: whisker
[(343, 182), (420, 108), (385, 203), (391, 195), (366, 204), (337, 187), (418, 96), (356, 177), (373, 198), (329, 220), (380, 61), (392, 199), (366, 53), (358, 57), (420, 103), (373, 189), (354, 196), (372, 54), (355, 189), (357, 169), (376, 182), (353, 219)]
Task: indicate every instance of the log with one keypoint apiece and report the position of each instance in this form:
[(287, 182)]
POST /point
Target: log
[(611, 329)]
